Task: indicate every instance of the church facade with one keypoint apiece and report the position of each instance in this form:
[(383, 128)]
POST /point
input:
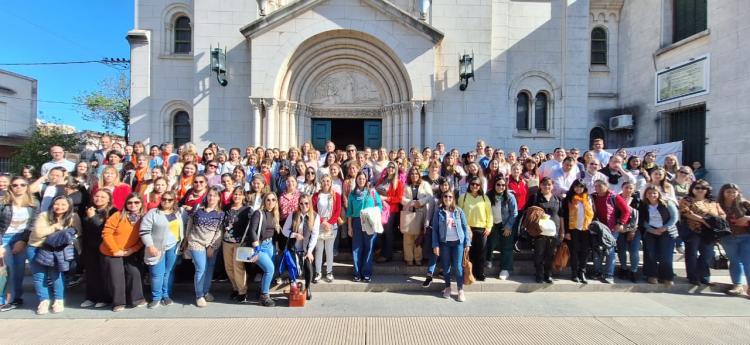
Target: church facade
[(545, 73)]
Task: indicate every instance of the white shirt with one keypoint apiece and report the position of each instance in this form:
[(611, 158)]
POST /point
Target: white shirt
[(563, 180), (654, 217), (548, 168), (589, 179), (68, 165), (603, 157), (20, 220), (580, 214), (49, 194), (451, 233)]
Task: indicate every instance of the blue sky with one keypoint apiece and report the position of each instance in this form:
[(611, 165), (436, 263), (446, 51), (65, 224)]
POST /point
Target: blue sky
[(54, 31)]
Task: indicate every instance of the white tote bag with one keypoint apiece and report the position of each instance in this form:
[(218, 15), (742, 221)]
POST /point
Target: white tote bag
[(245, 254)]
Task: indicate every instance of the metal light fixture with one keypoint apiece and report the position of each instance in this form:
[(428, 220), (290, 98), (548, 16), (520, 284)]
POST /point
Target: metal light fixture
[(465, 70), (219, 65), (424, 8), (262, 7)]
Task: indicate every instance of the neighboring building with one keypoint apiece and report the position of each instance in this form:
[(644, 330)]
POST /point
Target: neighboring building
[(18, 95), (92, 142), (547, 73)]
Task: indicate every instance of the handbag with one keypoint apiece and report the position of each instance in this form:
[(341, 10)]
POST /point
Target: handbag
[(721, 262), (468, 276), (245, 254), (561, 258), (411, 222)]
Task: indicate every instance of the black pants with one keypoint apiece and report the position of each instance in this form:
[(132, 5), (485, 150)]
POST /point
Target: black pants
[(124, 279), (477, 252), (96, 287), (579, 245), (306, 268), (544, 252)]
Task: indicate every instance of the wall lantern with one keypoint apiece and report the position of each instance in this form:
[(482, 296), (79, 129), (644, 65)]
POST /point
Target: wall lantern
[(424, 8), (219, 65), (465, 70)]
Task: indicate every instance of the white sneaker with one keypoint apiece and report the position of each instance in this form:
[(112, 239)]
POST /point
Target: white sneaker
[(488, 264), (447, 292), (461, 297), (43, 307), (209, 297), (87, 304), (100, 305), (58, 306), (201, 302), (504, 274)]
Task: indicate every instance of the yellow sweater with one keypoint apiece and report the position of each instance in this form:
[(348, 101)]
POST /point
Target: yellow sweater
[(43, 228), (478, 210)]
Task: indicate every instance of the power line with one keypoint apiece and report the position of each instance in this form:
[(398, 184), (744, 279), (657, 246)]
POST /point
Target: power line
[(116, 63), (43, 101)]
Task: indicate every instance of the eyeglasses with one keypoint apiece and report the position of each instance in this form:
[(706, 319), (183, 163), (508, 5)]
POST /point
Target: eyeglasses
[(18, 185), (167, 200), (135, 202)]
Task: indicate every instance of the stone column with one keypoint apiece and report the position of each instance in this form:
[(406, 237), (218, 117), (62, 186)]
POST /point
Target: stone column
[(385, 129), (396, 121), (300, 122), (405, 116), (271, 119), (257, 105), (283, 125), (293, 114), (428, 127), (416, 124)]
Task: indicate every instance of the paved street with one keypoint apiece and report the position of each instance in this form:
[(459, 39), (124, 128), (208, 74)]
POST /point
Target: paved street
[(404, 318)]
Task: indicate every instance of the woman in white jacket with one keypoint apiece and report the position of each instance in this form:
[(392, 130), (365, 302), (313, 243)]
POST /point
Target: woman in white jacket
[(416, 199), (302, 228)]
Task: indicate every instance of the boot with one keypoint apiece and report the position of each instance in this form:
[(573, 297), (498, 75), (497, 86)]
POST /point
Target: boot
[(308, 294), (582, 278)]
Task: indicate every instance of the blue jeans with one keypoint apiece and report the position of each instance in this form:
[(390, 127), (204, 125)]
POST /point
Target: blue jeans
[(362, 250), (452, 254), (41, 275), (162, 275), (16, 265), (658, 253), (608, 271), (738, 252), (428, 253), (631, 248), (204, 270), (699, 254), (265, 262)]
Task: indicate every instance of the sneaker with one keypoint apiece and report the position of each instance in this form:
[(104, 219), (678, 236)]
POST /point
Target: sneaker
[(427, 282), (58, 306), (447, 292), (461, 296), (488, 264), (504, 274), (367, 280), (118, 308), (736, 290), (153, 304), (357, 279), (316, 278), (668, 283), (209, 297), (17, 302), (266, 300), (166, 301), (100, 305), (241, 298), (87, 304), (653, 280), (201, 302), (549, 280), (140, 304), (233, 295), (43, 307), (7, 307), (608, 281), (329, 278)]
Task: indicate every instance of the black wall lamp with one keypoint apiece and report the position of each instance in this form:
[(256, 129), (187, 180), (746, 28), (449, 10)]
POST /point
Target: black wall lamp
[(465, 70), (219, 65)]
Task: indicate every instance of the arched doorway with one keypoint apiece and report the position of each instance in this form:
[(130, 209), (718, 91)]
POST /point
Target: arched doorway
[(597, 133), (345, 86)]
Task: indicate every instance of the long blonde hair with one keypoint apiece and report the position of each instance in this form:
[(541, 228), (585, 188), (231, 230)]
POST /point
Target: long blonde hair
[(25, 200), (298, 214), (274, 212), (117, 176)]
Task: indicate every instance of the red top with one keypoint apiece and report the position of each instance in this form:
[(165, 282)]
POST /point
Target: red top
[(520, 191), (335, 212), (226, 198), (151, 203), (119, 194), (393, 197), (191, 202), (605, 210)]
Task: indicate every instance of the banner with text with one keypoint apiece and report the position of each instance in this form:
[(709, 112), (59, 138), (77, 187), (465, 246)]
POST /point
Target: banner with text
[(660, 150)]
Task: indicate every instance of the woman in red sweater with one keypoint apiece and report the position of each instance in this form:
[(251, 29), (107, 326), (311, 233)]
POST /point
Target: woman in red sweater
[(327, 204), (110, 180), (391, 190), (517, 184)]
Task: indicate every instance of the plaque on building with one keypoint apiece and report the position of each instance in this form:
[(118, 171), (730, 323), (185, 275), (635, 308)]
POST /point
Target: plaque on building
[(688, 79)]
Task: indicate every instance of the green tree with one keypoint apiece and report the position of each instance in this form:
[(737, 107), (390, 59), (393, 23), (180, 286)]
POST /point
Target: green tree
[(35, 151), (110, 105)]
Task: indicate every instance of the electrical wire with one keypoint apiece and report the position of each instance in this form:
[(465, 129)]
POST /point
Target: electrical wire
[(43, 101)]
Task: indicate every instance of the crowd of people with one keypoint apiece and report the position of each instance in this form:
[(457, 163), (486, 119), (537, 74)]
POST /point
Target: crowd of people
[(128, 216)]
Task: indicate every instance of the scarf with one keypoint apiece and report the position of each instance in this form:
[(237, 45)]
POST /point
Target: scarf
[(588, 212)]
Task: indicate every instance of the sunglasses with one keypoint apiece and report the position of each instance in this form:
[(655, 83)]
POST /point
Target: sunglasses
[(447, 197), (213, 166), (474, 184), (167, 200), (199, 182), (700, 188), (133, 202), (18, 185)]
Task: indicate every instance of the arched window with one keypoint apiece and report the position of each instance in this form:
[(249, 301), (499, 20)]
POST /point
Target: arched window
[(541, 103), (182, 35), (522, 111), (598, 46), (181, 128)]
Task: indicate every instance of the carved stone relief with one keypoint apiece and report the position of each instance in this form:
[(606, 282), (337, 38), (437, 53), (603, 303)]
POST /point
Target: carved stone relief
[(346, 88)]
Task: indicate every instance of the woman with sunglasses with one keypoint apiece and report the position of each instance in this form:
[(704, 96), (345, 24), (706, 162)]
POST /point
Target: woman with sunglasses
[(121, 243), (451, 241), (207, 156), (363, 244), (504, 214), (185, 179), (417, 198), (236, 219), (211, 172), (682, 181), (110, 180), (302, 229), (203, 234), (92, 224), (264, 225), (391, 190), (577, 213), (478, 209), (309, 184), (657, 217), (161, 231), (18, 213), (738, 244), (153, 199), (699, 251), (432, 259), (327, 203), (196, 195)]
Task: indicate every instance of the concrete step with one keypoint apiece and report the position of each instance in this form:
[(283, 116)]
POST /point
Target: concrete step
[(398, 256)]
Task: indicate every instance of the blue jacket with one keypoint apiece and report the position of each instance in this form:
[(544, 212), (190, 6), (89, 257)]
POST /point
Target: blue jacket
[(439, 227), (57, 251), (509, 219)]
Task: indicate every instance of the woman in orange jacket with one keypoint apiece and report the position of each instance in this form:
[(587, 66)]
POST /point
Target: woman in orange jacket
[(120, 244)]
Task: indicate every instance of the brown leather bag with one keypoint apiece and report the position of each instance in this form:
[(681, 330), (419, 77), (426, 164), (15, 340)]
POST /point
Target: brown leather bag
[(531, 221), (561, 258), (468, 276)]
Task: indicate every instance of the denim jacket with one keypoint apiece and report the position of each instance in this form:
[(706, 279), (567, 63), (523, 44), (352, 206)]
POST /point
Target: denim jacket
[(439, 227)]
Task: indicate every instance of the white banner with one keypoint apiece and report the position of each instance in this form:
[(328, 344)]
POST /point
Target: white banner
[(660, 150)]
